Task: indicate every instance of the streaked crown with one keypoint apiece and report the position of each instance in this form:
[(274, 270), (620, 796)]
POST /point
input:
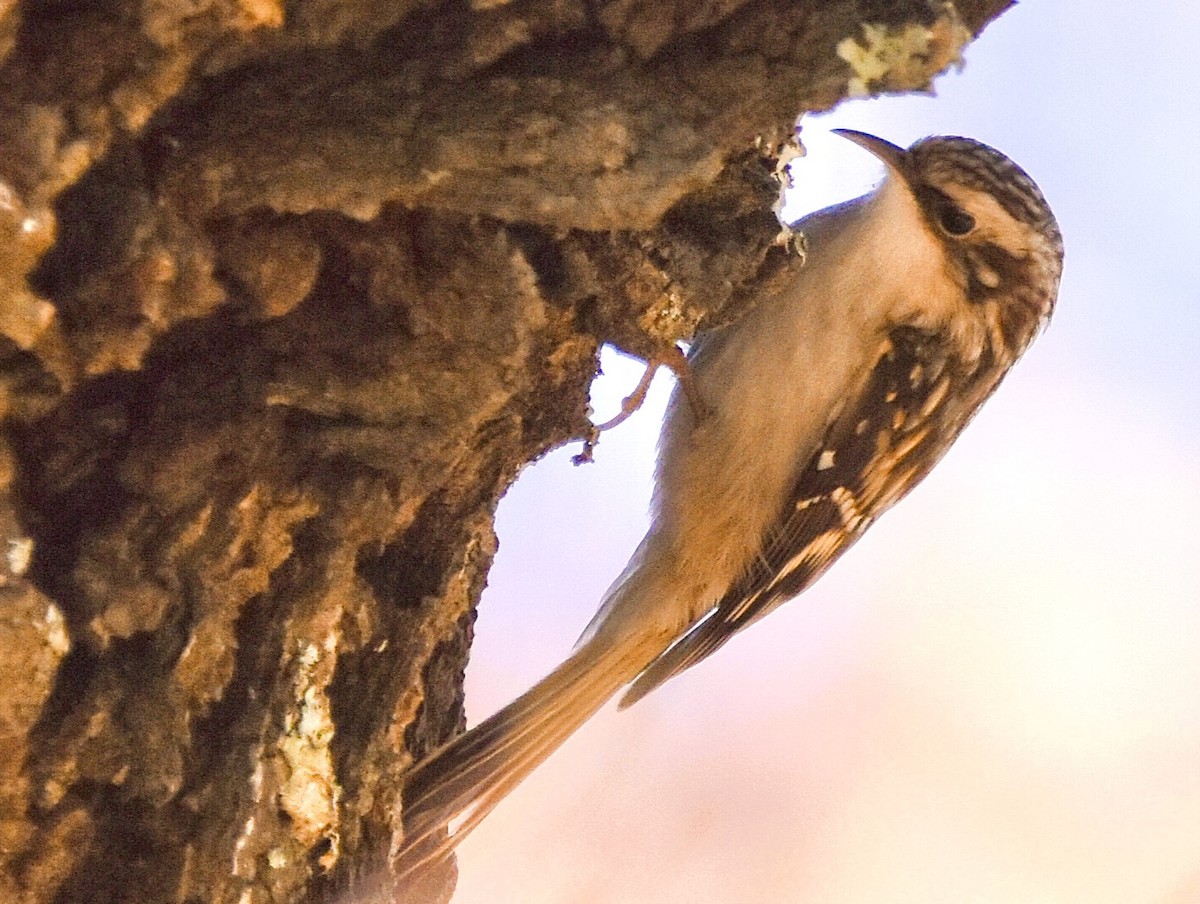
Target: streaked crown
[(997, 227), (965, 161)]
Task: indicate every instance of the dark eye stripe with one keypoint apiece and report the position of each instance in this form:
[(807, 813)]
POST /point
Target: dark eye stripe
[(954, 220), (942, 213), (986, 169)]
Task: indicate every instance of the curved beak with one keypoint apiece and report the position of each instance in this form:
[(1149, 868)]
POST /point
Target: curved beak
[(893, 156)]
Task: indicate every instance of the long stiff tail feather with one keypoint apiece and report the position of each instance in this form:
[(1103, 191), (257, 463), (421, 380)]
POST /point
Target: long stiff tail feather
[(449, 793), (704, 639)]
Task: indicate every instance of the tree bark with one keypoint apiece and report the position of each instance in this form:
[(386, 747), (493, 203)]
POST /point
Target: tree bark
[(288, 296)]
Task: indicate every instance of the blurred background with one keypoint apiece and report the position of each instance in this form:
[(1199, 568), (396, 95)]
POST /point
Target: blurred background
[(995, 696)]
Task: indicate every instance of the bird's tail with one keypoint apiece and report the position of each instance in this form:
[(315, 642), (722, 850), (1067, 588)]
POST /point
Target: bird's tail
[(450, 792)]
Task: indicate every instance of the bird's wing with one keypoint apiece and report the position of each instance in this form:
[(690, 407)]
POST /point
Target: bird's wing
[(913, 405)]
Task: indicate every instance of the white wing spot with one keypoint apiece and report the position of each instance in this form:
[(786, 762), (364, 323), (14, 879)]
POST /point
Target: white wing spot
[(825, 462), (847, 508)]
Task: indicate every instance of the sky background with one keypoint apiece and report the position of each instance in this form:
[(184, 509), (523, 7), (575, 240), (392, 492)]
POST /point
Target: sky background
[(995, 696)]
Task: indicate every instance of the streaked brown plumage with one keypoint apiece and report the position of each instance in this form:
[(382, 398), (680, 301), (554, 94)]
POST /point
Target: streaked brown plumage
[(827, 402)]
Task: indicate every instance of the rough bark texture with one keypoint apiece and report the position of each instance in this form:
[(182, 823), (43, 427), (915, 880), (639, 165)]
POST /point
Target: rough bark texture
[(288, 295)]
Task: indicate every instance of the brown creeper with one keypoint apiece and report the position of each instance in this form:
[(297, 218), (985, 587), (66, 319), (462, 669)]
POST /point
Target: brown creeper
[(826, 403)]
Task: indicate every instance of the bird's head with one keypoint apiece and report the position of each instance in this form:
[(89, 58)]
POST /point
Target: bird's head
[(1000, 237)]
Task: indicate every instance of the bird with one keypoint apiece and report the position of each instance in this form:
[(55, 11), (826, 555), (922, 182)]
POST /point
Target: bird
[(823, 405)]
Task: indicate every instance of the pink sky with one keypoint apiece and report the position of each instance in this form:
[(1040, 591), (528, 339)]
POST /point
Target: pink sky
[(995, 697)]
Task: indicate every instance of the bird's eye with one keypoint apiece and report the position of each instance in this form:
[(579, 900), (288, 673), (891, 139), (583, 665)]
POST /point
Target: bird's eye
[(955, 220)]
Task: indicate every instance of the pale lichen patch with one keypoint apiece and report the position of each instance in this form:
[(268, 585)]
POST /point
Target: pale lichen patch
[(905, 57), (55, 628), (310, 791), (19, 555)]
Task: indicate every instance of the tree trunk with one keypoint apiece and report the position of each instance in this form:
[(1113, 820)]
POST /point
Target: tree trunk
[(288, 297)]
